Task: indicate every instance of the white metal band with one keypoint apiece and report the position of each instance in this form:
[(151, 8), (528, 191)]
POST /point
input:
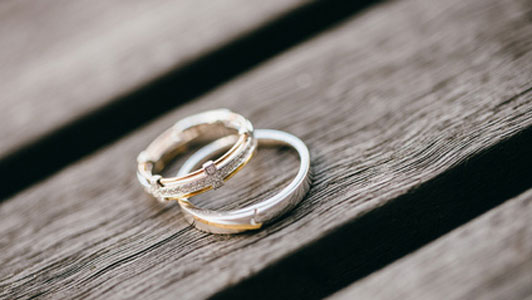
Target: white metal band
[(254, 216), (203, 126)]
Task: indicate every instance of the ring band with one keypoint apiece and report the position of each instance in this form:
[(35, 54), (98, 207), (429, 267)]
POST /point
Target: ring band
[(254, 216), (206, 125)]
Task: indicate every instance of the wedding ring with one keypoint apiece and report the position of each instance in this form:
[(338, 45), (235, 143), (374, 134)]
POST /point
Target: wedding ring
[(200, 127), (254, 216)]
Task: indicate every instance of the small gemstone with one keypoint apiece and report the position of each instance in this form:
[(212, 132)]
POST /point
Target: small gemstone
[(210, 168), (216, 184)]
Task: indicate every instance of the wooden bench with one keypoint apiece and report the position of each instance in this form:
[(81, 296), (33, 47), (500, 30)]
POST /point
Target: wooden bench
[(418, 117)]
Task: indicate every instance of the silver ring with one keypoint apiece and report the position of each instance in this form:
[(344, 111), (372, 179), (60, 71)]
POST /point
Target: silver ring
[(253, 216), (207, 125)]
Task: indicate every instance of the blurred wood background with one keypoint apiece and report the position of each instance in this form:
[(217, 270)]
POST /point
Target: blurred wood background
[(417, 114)]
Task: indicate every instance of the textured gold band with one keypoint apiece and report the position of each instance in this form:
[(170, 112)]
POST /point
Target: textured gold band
[(203, 126)]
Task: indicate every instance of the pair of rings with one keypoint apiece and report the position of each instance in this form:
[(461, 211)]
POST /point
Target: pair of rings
[(236, 133)]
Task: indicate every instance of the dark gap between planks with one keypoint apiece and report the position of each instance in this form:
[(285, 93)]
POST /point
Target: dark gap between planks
[(48, 154), (410, 221)]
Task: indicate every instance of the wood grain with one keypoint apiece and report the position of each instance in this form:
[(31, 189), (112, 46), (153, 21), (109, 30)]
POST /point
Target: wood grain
[(386, 102), (62, 59), (488, 258)]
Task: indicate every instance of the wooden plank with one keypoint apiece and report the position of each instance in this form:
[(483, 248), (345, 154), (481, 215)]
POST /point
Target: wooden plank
[(488, 258), (187, 80), (386, 102), (63, 59)]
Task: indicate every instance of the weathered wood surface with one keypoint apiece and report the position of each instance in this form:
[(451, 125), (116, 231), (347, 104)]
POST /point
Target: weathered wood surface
[(386, 102), (488, 258), (62, 59)]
